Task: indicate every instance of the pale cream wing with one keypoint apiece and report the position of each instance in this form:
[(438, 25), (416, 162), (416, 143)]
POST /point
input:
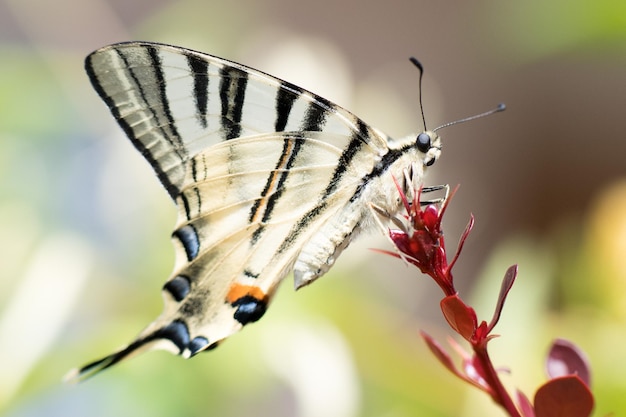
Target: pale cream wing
[(173, 103), (266, 176), (246, 209)]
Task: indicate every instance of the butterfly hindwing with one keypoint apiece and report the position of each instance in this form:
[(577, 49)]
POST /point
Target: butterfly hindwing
[(267, 178), (236, 220)]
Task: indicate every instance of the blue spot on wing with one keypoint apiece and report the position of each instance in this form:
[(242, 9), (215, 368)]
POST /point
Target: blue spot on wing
[(249, 309), (176, 332), (197, 344), (178, 287), (188, 237)]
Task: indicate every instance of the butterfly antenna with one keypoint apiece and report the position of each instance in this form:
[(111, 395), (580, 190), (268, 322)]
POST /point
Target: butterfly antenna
[(421, 69), (499, 108)]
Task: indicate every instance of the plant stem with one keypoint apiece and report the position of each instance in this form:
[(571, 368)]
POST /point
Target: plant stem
[(499, 393)]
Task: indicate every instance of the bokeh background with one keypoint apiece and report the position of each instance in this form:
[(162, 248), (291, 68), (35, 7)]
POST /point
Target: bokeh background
[(84, 225)]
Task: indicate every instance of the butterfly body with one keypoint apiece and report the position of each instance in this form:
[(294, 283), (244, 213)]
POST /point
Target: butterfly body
[(267, 177)]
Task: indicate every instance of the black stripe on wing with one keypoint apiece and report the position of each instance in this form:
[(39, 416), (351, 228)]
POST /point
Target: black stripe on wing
[(316, 113), (359, 138), (356, 143), (280, 187), (157, 66), (233, 82), (275, 185), (159, 111), (285, 98), (199, 70), (388, 159)]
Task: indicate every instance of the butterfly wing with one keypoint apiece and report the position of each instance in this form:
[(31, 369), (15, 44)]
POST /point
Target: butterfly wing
[(174, 102), (250, 203)]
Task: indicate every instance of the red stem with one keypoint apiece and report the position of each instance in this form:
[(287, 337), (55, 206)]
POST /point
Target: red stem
[(445, 281), (499, 393)]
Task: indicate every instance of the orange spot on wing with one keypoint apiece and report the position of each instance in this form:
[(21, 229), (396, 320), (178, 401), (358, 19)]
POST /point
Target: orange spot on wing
[(237, 291)]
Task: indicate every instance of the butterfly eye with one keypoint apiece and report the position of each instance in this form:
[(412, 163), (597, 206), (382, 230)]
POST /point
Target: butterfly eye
[(423, 142)]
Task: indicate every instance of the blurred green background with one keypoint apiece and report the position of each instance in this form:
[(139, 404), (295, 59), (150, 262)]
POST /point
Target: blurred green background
[(84, 225)]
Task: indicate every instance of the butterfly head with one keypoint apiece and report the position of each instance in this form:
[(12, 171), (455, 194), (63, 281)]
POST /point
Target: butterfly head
[(429, 143)]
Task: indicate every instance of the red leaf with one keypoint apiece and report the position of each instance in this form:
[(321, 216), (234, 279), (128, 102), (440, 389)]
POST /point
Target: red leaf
[(563, 397), (440, 354), (525, 406), (565, 358), (459, 316), (507, 283), (459, 248)]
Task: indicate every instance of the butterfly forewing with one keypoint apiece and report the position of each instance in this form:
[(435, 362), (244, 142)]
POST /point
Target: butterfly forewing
[(173, 103), (267, 178)]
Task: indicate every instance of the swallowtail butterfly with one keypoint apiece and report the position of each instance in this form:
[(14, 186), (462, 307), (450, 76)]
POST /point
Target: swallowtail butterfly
[(267, 178)]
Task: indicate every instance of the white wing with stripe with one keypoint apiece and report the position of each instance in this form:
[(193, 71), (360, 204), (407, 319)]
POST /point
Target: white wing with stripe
[(174, 102), (267, 178)]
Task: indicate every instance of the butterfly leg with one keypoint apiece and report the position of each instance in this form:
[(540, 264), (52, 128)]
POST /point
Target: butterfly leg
[(434, 188)]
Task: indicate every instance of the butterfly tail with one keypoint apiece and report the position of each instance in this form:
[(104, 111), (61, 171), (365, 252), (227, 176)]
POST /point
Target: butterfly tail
[(80, 374), (173, 337), (92, 368)]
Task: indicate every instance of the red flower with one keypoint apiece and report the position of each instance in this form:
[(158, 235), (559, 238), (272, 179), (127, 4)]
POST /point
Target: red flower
[(419, 240)]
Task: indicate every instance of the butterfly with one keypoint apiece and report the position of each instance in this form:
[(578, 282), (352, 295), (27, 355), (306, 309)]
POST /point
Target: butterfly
[(267, 178)]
